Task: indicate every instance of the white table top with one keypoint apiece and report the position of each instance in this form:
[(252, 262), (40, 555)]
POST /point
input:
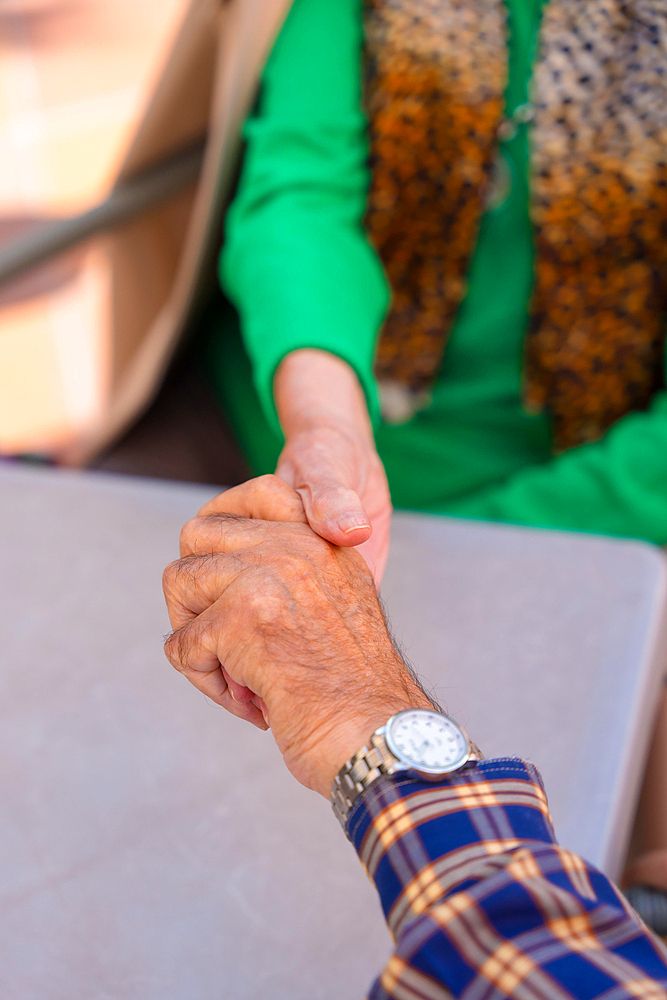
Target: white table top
[(153, 847)]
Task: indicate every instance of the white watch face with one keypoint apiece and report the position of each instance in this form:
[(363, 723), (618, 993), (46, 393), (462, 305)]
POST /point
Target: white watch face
[(427, 741)]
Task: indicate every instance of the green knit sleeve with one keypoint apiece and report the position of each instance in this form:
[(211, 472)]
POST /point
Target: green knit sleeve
[(616, 486), (296, 262)]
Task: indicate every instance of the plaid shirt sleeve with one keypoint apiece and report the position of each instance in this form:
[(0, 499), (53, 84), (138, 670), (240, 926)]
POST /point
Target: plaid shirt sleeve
[(484, 904)]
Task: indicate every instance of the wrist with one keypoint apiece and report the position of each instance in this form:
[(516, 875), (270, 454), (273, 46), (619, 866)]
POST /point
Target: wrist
[(315, 390), (355, 732)]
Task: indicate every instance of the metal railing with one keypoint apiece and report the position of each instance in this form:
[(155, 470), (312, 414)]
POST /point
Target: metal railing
[(126, 201)]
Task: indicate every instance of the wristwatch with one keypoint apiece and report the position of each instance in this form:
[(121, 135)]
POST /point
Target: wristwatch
[(420, 741)]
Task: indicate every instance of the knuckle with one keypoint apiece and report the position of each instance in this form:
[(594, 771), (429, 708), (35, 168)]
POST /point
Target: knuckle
[(270, 482), (329, 499), (290, 503), (187, 573), (183, 646), (307, 556), (207, 534), (328, 491), (174, 649), (190, 532), (212, 504), (169, 577)]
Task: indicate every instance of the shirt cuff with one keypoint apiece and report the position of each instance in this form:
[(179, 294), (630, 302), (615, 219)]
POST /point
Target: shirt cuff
[(420, 842)]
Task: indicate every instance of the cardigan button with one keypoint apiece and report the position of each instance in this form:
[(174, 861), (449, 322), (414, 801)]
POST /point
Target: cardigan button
[(507, 130), (524, 113)]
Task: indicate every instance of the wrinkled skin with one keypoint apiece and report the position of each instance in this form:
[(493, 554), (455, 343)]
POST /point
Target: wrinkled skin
[(330, 457), (282, 628), (340, 479)]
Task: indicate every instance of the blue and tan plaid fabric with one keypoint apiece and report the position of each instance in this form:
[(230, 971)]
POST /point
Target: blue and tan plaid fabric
[(484, 904)]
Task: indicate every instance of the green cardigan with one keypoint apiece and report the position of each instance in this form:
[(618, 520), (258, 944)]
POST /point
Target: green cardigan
[(300, 272)]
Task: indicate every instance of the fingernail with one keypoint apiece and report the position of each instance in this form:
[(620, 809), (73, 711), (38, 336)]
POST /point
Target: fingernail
[(353, 523)]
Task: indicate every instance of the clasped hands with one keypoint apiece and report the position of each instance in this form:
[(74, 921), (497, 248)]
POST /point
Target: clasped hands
[(284, 629)]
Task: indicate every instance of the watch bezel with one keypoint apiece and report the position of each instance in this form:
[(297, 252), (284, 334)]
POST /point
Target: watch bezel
[(422, 769)]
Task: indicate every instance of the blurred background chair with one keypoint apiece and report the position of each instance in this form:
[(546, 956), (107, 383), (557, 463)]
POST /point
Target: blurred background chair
[(108, 256)]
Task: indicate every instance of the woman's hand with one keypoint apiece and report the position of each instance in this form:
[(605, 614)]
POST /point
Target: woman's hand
[(343, 486), (330, 458)]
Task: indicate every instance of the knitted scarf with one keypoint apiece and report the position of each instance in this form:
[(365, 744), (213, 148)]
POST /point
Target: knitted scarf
[(436, 74)]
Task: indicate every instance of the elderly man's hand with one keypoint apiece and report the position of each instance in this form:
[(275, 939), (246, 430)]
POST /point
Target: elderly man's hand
[(266, 611)]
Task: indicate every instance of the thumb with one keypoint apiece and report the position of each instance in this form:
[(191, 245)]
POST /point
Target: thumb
[(335, 512)]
